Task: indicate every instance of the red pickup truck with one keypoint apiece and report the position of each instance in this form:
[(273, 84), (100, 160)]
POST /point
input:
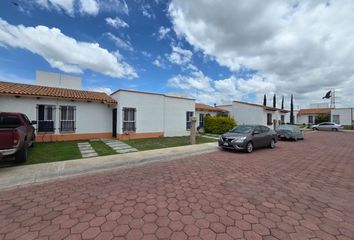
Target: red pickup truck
[(16, 135)]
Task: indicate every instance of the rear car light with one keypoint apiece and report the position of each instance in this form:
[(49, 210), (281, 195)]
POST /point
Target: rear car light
[(16, 138)]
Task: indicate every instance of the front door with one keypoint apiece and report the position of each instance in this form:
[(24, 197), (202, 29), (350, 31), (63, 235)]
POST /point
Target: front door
[(114, 123)]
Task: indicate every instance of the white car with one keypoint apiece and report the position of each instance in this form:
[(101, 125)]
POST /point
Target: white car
[(327, 126)]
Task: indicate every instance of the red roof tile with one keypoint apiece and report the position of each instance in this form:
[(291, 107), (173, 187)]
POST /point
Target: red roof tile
[(19, 89), (265, 107), (204, 107), (309, 111)]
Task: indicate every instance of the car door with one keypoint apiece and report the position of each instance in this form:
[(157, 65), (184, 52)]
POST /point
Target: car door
[(322, 126), (266, 135), (257, 137)]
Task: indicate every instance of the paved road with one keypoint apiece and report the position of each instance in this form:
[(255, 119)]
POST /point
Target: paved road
[(302, 190)]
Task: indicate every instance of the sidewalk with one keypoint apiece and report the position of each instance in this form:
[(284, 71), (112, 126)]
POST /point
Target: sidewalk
[(13, 176)]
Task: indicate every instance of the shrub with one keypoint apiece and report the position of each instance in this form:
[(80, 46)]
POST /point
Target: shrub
[(322, 118), (218, 124)]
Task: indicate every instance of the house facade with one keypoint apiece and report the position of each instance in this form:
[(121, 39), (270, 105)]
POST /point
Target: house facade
[(308, 116), (144, 115), (68, 114), (343, 116), (203, 110), (61, 114), (250, 113)]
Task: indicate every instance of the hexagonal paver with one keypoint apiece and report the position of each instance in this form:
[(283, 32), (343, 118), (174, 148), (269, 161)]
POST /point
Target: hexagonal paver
[(297, 191)]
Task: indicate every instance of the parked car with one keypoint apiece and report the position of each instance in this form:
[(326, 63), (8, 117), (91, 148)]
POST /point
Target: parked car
[(16, 135), (287, 131), (327, 126), (248, 137)]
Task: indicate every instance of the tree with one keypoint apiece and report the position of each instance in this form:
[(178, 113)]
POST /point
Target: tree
[(274, 101), (282, 103), (265, 100), (292, 110)]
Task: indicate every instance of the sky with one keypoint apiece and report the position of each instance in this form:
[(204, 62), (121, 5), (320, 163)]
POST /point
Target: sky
[(214, 51)]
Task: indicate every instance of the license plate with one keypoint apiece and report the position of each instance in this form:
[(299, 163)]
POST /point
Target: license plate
[(226, 144)]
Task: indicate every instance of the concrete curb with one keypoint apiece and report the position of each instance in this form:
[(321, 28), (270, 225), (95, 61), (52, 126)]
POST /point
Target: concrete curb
[(21, 175)]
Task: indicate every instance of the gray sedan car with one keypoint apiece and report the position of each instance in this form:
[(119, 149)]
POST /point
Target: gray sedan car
[(287, 131), (327, 126), (248, 137)]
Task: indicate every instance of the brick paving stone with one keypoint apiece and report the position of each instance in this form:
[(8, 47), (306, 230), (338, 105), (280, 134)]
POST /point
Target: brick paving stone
[(297, 191)]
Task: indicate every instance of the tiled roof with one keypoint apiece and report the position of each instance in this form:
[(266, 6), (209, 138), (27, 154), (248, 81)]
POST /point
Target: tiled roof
[(265, 107), (204, 107), (19, 89), (314, 111)]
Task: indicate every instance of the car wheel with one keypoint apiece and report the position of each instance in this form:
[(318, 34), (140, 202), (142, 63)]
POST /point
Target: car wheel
[(249, 147), (295, 139), (334, 129), (272, 144), (315, 129), (21, 155)]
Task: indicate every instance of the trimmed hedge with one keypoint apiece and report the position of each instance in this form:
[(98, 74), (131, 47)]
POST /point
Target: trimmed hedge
[(218, 124)]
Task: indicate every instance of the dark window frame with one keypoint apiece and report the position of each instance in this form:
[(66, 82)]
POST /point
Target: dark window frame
[(46, 124), (269, 119), (189, 115), (201, 119), (129, 119), (67, 124)]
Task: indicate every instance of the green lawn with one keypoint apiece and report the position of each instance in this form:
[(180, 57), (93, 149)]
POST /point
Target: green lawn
[(102, 149), (54, 151), (155, 143)]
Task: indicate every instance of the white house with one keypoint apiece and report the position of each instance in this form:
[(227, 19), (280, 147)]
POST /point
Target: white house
[(144, 115), (70, 114), (251, 113), (343, 116), (308, 116), (61, 114), (203, 110)]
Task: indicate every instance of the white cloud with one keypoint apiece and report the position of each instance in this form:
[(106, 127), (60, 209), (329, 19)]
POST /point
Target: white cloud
[(116, 22), (159, 62), (89, 7), (120, 43), (100, 89), (301, 47), (72, 7), (63, 52), (180, 56), (147, 12), (66, 5), (163, 32)]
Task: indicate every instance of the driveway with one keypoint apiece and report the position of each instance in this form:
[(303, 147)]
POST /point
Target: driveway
[(302, 190)]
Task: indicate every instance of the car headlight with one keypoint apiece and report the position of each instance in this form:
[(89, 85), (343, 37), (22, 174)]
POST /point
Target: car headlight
[(220, 139), (239, 139)]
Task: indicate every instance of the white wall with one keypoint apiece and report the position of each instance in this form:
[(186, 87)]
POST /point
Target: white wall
[(155, 112), (57, 80), (345, 115), (175, 115), (248, 114), (90, 117), (149, 111)]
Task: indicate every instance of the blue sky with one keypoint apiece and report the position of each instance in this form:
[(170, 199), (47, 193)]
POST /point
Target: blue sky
[(146, 44), (214, 51)]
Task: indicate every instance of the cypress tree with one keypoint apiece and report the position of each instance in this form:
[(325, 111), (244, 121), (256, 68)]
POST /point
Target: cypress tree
[(292, 110), (282, 103), (274, 101), (265, 100)]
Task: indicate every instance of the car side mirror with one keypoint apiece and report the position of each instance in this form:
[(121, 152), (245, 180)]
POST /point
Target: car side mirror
[(255, 132), (33, 122)]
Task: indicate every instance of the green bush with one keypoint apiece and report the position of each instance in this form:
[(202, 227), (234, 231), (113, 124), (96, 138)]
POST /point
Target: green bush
[(322, 118), (218, 124)]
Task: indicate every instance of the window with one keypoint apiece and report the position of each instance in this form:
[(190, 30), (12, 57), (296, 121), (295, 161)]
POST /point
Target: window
[(201, 120), (9, 121), (129, 124), (311, 119), (265, 129), (336, 119), (189, 116), (67, 119), (269, 119), (45, 118), (282, 119)]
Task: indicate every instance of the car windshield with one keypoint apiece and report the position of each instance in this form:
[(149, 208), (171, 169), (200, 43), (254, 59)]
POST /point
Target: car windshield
[(242, 129)]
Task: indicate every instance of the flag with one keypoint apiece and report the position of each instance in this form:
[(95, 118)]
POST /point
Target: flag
[(328, 95)]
